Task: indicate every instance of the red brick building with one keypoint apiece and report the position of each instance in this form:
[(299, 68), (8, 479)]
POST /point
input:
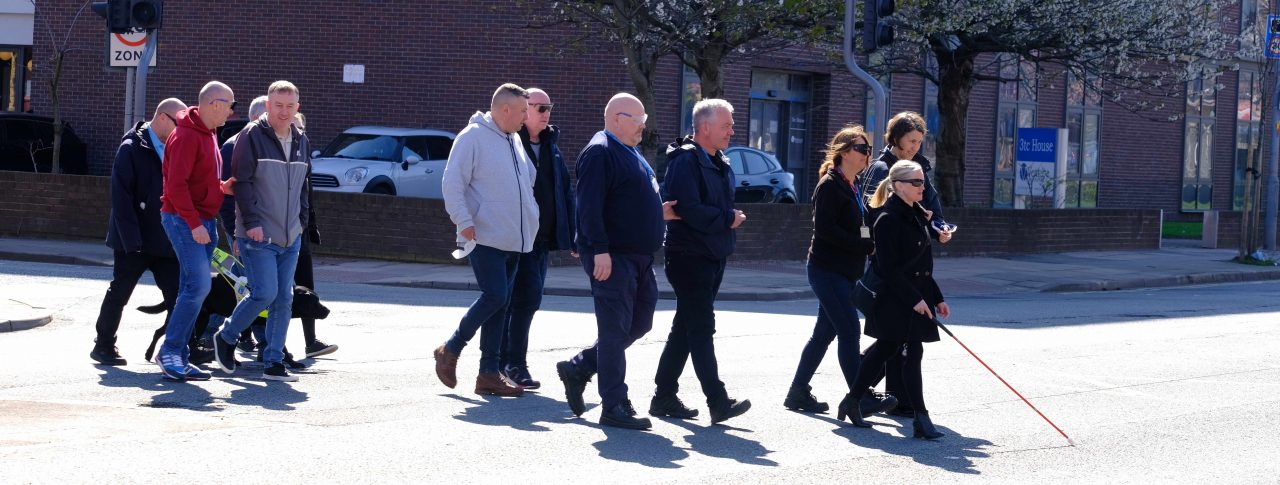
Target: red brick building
[(432, 64)]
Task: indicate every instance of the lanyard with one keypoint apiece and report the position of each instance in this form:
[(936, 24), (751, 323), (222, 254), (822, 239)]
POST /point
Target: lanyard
[(857, 195), (643, 163)]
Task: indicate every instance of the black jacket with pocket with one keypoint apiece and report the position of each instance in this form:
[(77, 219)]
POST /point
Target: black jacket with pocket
[(136, 184), (904, 262), (838, 216), (702, 186)]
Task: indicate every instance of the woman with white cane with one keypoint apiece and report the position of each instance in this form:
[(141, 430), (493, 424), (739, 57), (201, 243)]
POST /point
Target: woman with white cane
[(902, 319)]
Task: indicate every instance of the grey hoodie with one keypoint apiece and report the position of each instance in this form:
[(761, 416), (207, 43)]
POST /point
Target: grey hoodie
[(488, 184)]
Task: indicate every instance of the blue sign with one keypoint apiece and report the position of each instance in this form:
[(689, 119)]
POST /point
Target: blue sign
[(1037, 145), (1273, 37)]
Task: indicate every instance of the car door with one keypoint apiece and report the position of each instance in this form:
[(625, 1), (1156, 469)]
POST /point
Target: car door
[(413, 176), (438, 148), (749, 167)]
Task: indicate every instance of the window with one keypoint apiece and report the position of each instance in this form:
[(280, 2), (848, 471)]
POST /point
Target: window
[(1017, 109), (416, 146), (364, 147), (932, 117), (1197, 152), (1248, 132), (691, 93), (754, 163), (778, 120), (1084, 122)]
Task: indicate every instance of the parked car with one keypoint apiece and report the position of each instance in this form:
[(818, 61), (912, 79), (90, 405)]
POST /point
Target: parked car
[(760, 177), (26, 145), (383, 160)]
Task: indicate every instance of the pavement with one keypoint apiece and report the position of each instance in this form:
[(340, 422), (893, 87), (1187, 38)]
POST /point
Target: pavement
[(1177, 263)]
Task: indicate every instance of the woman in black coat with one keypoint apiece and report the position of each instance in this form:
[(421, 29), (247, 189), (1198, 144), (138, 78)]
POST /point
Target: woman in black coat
[(908, 296), (837, 255)]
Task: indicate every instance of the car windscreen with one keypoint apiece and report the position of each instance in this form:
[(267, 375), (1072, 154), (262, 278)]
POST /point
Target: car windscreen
[(364, 147)]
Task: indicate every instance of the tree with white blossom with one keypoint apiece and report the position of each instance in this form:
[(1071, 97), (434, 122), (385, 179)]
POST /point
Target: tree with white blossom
[(1136, 53)]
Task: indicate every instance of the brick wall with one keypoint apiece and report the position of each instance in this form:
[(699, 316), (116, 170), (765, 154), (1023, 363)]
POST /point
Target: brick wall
[(44, 206)]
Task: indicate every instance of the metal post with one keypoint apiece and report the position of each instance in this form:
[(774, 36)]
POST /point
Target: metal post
[(128, 99), (1273, 181), (882, 108), (144, 65)]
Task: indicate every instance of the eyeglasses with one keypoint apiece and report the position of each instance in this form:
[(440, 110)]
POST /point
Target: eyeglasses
[(913, 182), (167, 115), (231, 103), (862, 148), (640, 119), (543, 108)]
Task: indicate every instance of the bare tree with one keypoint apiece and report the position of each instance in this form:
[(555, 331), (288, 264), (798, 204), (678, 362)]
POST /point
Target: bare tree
[(1132, 51), (61, 48)]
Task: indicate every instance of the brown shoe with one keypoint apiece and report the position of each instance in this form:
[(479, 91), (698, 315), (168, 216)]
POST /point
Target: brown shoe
[(446, 366), (494, 383)]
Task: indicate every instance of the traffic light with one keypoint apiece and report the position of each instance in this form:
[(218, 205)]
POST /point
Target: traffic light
[(124, 16), (876, 30)]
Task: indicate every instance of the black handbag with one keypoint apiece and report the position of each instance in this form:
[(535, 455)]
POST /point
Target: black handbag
[(866, 290)]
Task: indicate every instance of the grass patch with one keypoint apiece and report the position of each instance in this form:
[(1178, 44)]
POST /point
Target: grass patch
[(1182, 230)]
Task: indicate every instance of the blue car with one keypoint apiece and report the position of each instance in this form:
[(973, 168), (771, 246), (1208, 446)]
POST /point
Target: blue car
[(761, 179)]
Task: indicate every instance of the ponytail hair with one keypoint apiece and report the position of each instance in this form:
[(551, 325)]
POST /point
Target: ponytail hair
[(899, 171)]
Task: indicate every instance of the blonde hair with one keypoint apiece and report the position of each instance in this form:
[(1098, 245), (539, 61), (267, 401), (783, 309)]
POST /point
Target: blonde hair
[(899, 171), (845, 138)]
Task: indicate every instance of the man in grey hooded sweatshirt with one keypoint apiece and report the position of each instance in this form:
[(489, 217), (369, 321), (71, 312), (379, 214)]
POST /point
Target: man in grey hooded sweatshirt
[(488, 193)]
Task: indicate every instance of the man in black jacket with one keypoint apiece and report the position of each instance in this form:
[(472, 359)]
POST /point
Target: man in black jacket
[(698, 245), (554, 194), (134, 231)]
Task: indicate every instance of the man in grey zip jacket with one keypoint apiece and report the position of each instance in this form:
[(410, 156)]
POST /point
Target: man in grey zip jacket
[(488, 193), (271, 165)]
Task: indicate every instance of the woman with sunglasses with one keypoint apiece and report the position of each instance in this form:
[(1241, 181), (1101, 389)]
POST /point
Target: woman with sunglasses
[(837, 254), (904, 313)]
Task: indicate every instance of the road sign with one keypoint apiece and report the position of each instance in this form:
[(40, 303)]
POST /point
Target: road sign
[(124, 50), (1273, 37)]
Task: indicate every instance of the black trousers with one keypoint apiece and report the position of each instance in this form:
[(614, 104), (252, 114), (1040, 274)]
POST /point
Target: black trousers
[(696, 281), (126, 271), (873, 363)]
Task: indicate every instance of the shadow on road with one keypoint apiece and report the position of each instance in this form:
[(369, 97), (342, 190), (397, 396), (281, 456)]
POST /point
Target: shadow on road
[(639, 447), (169, 394), (713, 440), (953, 453), (276, 396), (521, 413)]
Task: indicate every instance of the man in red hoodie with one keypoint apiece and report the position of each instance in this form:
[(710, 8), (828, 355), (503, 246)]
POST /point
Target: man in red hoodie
[(190, 205)]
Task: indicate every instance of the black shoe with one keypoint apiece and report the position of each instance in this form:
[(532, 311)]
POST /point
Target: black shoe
[(225, 354), (317, 348), (623, 415), (728, 409), (670, 406), (801, 399), (849, 407), (923, 427), (575, 383), (519, 374), (875, 402), (246, 344), (277, 372), (292, 364), (107, 356), (201, 353), (902, 410)]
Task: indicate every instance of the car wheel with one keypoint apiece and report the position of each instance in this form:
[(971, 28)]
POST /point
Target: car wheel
[(383, 189)]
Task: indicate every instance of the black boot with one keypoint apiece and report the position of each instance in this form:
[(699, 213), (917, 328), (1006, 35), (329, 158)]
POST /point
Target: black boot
[(874, 402), (922, 427), (801, 399), (849, 407)]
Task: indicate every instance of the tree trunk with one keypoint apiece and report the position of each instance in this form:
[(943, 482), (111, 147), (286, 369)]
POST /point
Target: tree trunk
[(641, 67), (955, 74), (56, 167), (710, 74)]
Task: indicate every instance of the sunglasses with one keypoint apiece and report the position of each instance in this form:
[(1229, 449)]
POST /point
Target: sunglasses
[(231, 103), (641, 119), (862, 148), (913, 182), (543, 108), (167, 115)]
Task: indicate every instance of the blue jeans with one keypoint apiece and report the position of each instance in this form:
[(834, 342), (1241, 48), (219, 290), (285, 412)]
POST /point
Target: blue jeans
[(495, 272), (193, 281), (837, 317), (526, 298), (270, 270)]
